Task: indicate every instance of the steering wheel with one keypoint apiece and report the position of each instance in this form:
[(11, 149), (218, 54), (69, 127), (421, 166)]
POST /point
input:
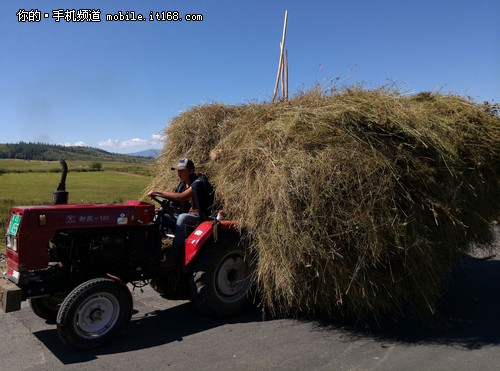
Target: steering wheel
[(161, 199)]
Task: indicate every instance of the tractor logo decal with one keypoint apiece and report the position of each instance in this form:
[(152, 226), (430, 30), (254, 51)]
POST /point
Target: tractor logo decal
[(122, 219)]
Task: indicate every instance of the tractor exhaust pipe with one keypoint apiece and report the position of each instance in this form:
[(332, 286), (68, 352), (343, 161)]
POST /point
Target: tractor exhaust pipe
[(60, 196)]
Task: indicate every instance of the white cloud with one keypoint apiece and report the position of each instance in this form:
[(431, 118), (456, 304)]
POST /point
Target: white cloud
[(76, 144), (115, 143), (160, 138), (155, 141)]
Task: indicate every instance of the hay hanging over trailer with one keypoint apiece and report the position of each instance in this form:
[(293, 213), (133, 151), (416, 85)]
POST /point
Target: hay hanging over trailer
[(357, 202)]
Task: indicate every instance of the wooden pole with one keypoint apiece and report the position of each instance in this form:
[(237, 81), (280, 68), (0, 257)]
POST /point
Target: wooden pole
[(286, 74), (283, 57), (280, 65)]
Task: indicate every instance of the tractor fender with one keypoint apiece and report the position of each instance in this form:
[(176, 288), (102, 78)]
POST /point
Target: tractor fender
[(196, 240), (117, 279)]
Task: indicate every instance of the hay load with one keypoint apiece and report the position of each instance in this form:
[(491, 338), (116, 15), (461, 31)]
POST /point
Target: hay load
[(357, 202)]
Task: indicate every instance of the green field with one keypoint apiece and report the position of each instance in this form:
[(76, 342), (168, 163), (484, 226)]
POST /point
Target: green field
[(16, 166), (36, 180)]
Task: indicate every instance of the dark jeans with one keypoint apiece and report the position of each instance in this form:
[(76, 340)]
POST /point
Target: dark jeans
[(179, 223)]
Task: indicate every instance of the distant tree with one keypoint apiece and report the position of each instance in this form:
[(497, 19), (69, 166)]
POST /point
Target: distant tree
[(96, 166)]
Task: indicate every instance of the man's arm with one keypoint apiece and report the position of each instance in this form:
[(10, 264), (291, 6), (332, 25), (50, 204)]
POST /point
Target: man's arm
[(178, 197)]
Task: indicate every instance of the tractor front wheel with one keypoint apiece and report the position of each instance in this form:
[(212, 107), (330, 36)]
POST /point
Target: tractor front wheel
[(93, 313)]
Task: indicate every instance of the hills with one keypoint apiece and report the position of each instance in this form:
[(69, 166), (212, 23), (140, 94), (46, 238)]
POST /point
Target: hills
[(51, 152), (149, 153)]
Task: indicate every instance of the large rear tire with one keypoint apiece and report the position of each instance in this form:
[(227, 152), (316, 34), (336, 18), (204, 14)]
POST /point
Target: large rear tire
[(93, 313), (221, 283)]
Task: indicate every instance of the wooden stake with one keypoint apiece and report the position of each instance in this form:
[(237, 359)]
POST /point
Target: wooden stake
[(283, 75), (280, 65), (286, 75)]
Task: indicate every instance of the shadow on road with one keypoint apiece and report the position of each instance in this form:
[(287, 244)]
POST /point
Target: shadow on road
[(152, 329), (468, 314)]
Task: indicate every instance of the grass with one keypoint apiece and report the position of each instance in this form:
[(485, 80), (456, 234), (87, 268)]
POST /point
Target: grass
[(20, 166)]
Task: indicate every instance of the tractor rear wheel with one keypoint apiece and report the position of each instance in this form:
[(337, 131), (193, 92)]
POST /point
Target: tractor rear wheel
[(93, 313), (221, 283)]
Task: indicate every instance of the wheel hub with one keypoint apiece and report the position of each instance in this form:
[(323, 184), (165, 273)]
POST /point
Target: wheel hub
[(97, 315), (232, 276)]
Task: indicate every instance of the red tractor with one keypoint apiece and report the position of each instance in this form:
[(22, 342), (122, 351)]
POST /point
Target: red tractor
[(73, 263)]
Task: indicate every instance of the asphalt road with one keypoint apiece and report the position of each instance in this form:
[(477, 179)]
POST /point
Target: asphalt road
[(173, 335)]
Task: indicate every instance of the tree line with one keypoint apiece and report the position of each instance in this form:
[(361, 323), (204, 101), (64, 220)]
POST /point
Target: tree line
[(54, 152), (37, 151)]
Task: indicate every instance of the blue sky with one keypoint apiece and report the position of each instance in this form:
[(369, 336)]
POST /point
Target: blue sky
[(117, 85)]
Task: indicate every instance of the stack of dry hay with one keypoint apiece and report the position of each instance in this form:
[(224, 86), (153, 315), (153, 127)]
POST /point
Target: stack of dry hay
[(357, 202)]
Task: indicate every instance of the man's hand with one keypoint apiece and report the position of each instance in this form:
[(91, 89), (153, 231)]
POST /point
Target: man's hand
[(173, 196), (151, 193)]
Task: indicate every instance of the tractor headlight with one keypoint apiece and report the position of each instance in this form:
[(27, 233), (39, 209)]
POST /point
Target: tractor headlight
[(11, 242)]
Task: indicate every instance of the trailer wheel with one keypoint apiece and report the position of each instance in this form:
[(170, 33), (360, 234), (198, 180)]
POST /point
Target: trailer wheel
[(46, 307), (222, 279), (93, 313)]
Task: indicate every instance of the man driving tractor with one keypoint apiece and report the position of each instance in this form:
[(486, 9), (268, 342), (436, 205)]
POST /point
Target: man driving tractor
[(195, 195)]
